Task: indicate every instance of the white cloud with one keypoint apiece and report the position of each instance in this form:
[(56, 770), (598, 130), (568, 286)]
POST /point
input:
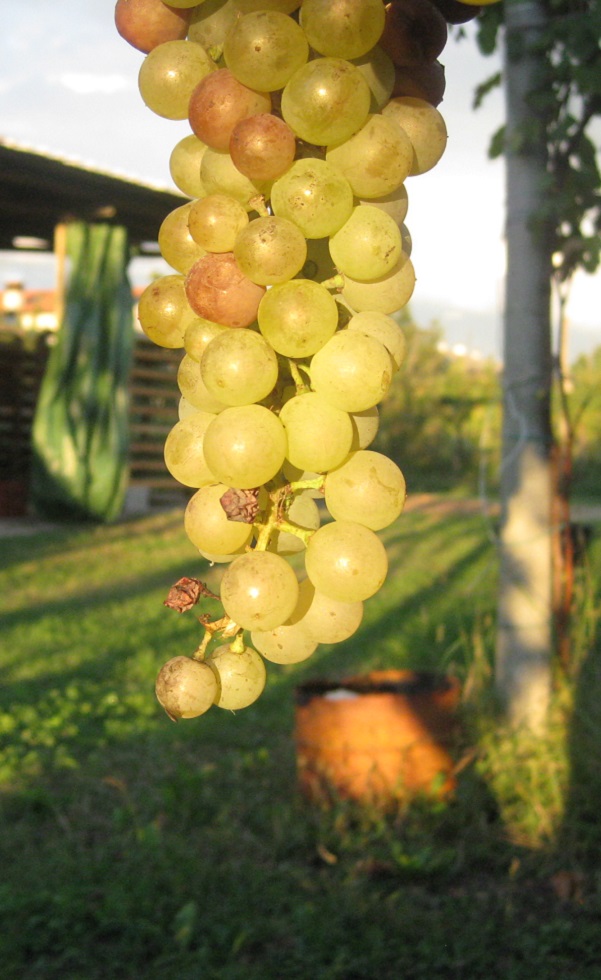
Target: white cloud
[(88, 83)]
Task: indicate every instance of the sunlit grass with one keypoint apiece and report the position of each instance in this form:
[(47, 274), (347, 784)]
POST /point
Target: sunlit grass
[(135, 847)]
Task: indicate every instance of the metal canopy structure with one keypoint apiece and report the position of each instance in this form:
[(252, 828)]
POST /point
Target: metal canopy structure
[(39, 192)]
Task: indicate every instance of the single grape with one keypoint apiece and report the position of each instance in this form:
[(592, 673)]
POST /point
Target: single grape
[(264, 48), (245, 446), (286, 644), (220, 176), (193, 388), (284, 6), (368, 245), (262, 147), (215, 222), (326, 101), (218, 290), (346, 561), (386, 295), (378, 71), (199, 333), (170, 73), (396, 204), (365, 427), (259, 590), (314, 195), (184, 165), (323, 619), (210, 22), (241, 676), (368, 488), (421, 82), (415, 33), (177, 246), (218, 103), (342, 28), (184, 457), (207, 525), (270, 250), (351, 372), (186, 688), (376, 159), (147, 23), (383, 328), (164, 312), (319, 434), (424, 126), (239, 367), (298, 317)]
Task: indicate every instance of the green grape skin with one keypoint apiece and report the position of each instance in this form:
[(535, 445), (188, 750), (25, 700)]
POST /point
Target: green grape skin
[(264, 48), (323, 619), (215, 221), (425, 127), (215, 558), (186, 688), (239, 367), (185, 409), (298, 317), (262, 147), (396, 204), (193, 388), (199, 333), (352, 371), (384, 329), (286, 644), (342, 28), (183, 3), (368, 488), (184, 166), (170, 73), (177, 246), (207, 525), (184, 457), (379, 72), (241, 676), (326, 101), (365, 427), (319, 434), (284, 6), (302, 511), (368, 245), (270, 250), (375, 160), (220, 176), (389, 294), (259, 590), (245, 446), (314, 195), (346, 561), (164, 312), (210, 22)]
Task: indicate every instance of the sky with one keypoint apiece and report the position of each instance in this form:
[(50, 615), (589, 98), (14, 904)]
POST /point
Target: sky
[(68, 86)]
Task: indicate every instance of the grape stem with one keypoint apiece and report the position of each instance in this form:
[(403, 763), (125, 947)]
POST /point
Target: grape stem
[(295, 372), (226, 626), (334, 282)]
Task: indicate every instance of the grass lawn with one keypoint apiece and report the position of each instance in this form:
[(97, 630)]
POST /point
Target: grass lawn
[(133, 847)]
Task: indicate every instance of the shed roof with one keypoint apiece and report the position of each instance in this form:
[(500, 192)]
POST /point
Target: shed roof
[(38, 191)]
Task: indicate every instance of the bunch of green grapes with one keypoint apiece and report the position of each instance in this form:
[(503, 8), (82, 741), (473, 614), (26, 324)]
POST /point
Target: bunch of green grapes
[(290, 260)]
